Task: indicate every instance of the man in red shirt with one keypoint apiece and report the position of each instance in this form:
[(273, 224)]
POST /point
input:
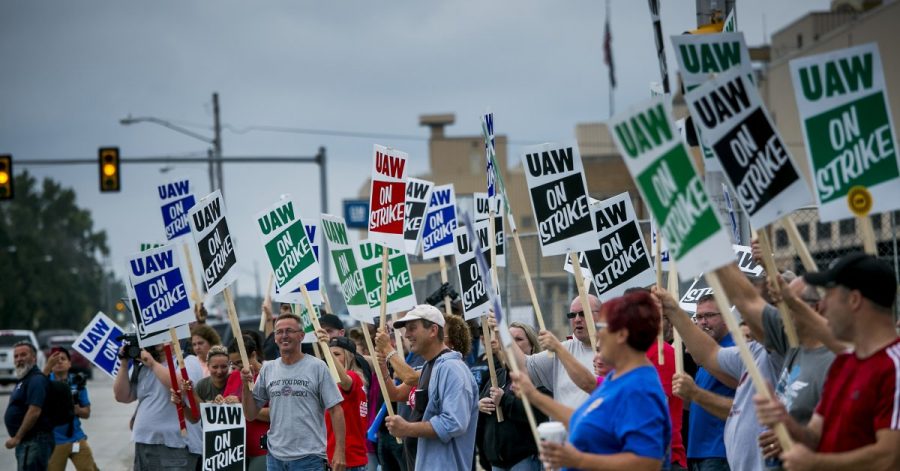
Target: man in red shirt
[(857, 422)]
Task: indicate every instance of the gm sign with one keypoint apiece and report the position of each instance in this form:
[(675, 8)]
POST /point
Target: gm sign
[(356, 213)]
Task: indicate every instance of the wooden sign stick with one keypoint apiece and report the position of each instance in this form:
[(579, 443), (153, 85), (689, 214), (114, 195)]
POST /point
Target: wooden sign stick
[(528, 283), (236, 329), (444, 279), (759, 383), (379, 374), (585, 301), (184, 374), (195, 294), (398, 339), (867, 232), (790, 329), (661, 336), (485, 329), (799, 245), (268, 300), (384, 278), (326, 352), (677, 344)]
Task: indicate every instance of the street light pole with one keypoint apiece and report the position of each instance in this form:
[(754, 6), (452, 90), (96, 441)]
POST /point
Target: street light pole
[(323, 197), (217, 142)]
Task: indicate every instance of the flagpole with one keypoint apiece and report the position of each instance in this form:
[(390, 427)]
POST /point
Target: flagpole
[(607, 48)]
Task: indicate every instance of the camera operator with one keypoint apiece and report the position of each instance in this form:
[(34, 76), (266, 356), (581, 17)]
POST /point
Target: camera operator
[(71, 442), (156, 434)]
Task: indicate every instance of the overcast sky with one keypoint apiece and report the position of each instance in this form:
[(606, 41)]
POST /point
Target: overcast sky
[(71, 70)]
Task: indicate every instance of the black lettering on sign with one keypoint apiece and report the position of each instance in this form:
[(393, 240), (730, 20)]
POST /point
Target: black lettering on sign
[(561, 207), (755, 161), (723, 103)]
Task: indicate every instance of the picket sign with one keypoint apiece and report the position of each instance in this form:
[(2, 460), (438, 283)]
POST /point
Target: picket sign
[(100, 342), (214, 243), (353, 287), (490, 209), (315, 293), (701, 56), (663, 171), (418, 194), (387, 198), (842, 94), (176, 200), (755, 161), (160, 289), (473, 287), (224, 431), (288, 249), (559, 198), (759, 383), (747, 265), (378, 277), (440, 222)]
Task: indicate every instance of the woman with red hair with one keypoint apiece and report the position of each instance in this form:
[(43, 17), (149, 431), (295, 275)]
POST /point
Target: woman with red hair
[(624, 424)]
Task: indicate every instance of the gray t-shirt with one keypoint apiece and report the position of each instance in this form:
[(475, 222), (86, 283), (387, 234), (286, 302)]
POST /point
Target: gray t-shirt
[(741, 428), (298, 395), (551, 374), (800, 382), (156, 419), (206, 390)]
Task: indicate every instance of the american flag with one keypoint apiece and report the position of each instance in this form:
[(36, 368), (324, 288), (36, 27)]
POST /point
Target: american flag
[(485, 274)]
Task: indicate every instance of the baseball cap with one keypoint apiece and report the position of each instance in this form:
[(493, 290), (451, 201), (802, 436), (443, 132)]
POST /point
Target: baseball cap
[(422, 311), (862, 272), (343, 342), (331, 320), (61, 349)]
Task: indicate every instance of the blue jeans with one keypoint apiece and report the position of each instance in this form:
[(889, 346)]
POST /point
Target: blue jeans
[(307, 463), (532, 463), (708, 464), (34, 453)]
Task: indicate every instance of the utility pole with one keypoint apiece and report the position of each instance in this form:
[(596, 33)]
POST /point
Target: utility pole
[(323, 197)]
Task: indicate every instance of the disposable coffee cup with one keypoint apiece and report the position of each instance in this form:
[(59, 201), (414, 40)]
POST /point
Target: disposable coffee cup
[(552, 432)]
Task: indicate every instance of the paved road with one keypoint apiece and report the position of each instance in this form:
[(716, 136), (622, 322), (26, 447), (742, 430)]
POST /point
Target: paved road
[(107, 429)]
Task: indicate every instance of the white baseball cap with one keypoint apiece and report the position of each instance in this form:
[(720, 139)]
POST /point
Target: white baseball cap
[(422, 311)]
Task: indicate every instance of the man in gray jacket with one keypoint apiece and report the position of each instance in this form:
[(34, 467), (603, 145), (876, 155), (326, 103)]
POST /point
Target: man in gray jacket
[(446, 397)]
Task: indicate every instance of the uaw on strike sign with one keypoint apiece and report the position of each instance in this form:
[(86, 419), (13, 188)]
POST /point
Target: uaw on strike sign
[(223, 437), (387, 201), (176, 200), (848, 130), (288, 249), (160, 289), (559, 198), (664, 173), (733, 122), (214, 242)]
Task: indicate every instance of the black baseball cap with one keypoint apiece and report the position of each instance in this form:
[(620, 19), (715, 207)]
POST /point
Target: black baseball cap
[(344, 343), (61, 349), (862, 272), (331, 320)]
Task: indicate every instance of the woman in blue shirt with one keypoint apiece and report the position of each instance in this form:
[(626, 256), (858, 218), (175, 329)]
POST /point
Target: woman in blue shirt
[(624, 424)]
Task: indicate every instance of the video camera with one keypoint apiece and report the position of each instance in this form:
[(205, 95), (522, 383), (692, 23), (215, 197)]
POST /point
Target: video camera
[(437, 297), (131, 350)]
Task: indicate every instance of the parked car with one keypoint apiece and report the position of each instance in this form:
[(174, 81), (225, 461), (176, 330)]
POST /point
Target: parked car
[(8, 338), (43, 336), (80, 364)]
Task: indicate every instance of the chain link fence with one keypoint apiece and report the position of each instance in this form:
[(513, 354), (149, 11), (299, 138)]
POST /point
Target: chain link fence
[(555, 288)]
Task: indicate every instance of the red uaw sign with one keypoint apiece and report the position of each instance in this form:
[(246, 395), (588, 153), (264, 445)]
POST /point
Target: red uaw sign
[(387, 201)]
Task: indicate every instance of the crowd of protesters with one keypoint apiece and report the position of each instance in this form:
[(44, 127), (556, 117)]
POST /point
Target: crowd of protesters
[(835, 395)]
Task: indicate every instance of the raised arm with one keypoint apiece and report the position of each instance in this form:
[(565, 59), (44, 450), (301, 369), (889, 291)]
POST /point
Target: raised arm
[(703, 348), (580, 374), (744, 297), (684, 387)]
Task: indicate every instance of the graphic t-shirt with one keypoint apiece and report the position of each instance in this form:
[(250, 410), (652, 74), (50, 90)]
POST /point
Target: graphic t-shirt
[(356, 411), (861, 396), (298, 395), (625, 414), (801, 379)]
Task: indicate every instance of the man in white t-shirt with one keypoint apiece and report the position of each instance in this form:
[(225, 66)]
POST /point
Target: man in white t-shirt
[(550, 372), (299, 390)]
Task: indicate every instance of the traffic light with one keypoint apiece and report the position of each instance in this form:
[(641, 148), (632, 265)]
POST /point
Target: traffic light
[(110, 178), (6, 177)]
